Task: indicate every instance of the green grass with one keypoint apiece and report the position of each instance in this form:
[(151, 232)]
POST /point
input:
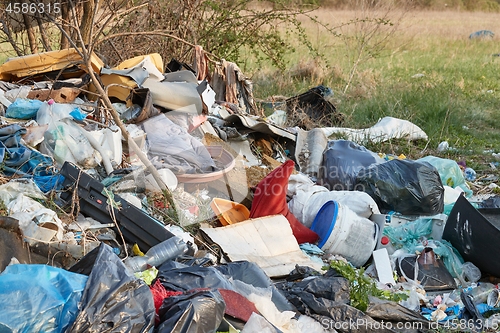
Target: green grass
[(457, 99)]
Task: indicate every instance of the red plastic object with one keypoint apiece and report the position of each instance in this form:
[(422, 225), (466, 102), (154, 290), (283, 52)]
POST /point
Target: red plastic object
[(237, 306), (384, 240), (270, 199), (160, 293)]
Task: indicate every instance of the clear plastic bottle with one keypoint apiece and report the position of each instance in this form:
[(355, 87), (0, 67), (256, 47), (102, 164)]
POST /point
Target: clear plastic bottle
[(158, 254), (168, 249)]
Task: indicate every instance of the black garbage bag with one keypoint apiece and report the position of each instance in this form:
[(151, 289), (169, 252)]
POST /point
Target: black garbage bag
[(199, 311), (191, 277), (342, 160), (113, 300), (317, 290), (491, 202), (404, 186), (343, 317), (176, 277), (381, 309), (249, 273)]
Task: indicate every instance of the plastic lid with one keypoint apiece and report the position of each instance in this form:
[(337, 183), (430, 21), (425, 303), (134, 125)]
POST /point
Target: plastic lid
[(384, 240), (324, 222)]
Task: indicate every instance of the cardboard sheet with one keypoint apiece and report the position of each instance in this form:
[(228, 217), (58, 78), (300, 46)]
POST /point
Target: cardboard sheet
[(267, 241)]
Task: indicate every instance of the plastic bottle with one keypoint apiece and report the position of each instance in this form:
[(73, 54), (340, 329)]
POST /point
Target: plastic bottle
[(479, 294), (470, 174), (158, 254)]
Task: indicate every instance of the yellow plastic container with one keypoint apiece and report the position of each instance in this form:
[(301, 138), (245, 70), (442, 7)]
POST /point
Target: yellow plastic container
[(229, 212)]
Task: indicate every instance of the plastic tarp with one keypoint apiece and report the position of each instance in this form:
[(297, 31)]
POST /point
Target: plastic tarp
[(342, 160), (404, 186), (199, 311), (114, 300), (39, 298)]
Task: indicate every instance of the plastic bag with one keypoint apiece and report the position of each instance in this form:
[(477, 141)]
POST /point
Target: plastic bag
[(194, 312), (404, 186), (342, 160), (50, 112), (65, 141), (23, 108), (449, 171), (113, 300), (39, 298)]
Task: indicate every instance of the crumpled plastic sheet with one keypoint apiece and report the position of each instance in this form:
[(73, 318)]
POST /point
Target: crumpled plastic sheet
[(20, 160), (39, 298), (114, 300), (170, 146)]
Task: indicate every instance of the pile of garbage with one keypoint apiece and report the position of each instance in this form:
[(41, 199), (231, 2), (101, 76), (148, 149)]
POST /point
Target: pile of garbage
[(159, 198)]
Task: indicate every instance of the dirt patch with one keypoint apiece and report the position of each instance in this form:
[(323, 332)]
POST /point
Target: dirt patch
[(255, 174)]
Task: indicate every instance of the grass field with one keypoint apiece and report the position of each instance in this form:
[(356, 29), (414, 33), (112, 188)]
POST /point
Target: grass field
[(429, 72)]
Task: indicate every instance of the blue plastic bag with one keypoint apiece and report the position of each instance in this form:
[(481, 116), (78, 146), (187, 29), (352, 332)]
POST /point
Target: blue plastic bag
[(23, 108), (39, 298)]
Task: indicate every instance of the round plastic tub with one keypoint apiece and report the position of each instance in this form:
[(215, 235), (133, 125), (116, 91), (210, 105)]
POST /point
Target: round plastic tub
[(343, 232)]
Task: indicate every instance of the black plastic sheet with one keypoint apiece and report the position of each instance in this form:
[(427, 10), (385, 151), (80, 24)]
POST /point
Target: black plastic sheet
[(404, 186), (312, 293), (193, 312), (114, 300)]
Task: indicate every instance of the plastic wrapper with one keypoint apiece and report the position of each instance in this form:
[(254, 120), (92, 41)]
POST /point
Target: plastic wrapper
[(404, 186), (113, 299), (39, 298), (342, 160), (195, 312)]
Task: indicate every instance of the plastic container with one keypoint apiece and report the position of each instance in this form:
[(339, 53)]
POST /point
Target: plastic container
[(229, 212), (343, 232), (158, 254)]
